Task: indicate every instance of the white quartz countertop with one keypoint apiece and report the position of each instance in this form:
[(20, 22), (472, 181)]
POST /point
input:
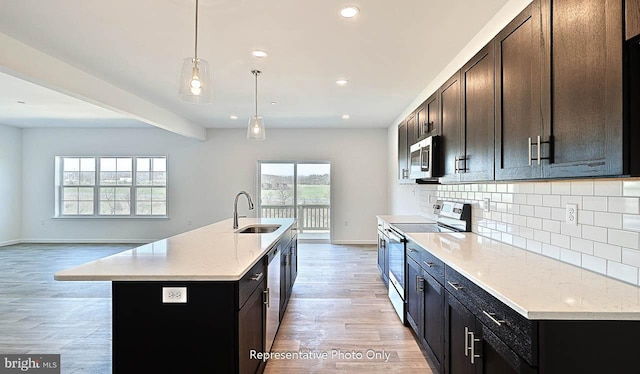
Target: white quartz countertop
[(538, 287), (211, 253), (404, 219)]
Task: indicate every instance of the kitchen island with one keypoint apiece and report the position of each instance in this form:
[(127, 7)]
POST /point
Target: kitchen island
[(194, 302)]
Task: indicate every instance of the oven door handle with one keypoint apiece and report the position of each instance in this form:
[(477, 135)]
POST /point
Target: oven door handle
[(392, 235)]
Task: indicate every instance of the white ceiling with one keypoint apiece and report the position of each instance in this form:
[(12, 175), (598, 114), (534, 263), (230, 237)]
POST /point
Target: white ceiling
[(389, 53)]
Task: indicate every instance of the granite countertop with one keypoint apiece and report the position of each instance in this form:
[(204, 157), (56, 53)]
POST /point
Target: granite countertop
[(404, 219), (537, 287), (211, 253)]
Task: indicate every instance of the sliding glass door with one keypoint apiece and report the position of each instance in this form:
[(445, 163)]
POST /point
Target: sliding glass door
[(299, 190)]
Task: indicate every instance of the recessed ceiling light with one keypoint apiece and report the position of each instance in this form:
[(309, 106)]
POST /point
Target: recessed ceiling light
[(345, 116), (233, 116), (342, 82), (21, 102), (349, 11), (259, 53), (273, 103)]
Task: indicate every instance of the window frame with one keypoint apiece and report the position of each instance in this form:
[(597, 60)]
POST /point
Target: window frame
[(59, 189)]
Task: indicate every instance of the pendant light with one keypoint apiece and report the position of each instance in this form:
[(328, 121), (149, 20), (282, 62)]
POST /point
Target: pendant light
[(255, 130), (195, 85)]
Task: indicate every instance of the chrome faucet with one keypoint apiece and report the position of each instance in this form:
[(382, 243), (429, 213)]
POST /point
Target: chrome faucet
[(235, 207)]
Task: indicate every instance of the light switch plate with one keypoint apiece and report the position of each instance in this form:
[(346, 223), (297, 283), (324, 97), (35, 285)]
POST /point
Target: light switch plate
[(486, 204), (174, 294), (571, 214)]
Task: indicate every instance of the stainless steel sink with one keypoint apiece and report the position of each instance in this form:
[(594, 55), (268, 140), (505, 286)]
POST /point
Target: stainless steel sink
[(258, 229)]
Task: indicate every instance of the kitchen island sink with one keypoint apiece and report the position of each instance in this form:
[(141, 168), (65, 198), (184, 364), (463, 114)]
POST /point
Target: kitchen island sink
[(258, 229)]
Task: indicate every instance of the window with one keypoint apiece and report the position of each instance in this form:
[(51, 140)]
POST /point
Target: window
[(111, 186)]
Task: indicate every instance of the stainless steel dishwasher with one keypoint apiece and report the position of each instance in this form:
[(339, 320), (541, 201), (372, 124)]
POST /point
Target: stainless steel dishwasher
[(272, 293)]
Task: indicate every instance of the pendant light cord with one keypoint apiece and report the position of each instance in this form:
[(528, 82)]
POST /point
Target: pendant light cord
[(196, 47), (256, 74)]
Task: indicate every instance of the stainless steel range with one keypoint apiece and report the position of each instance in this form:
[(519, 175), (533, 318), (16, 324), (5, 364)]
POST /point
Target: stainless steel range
[(451, 217)]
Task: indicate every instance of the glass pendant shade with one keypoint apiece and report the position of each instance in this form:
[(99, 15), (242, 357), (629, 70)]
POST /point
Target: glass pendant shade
[(255, 130), (195, 83)]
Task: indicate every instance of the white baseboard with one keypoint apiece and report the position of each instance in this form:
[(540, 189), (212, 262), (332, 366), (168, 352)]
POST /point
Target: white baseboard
[(87, 241), (355, 242), (10, 242)]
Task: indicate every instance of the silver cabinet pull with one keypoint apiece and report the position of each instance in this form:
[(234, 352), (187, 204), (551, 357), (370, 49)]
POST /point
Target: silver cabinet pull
[(429, 264), (419, 284), (257, 277), (456, 286), (538, 149), (267, 296), (412, 250), (529, 144), (492, 317), (466, 341), (473, 341)]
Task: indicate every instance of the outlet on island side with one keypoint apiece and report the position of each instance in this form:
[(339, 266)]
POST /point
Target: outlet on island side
[(174, 294), (571, 214)]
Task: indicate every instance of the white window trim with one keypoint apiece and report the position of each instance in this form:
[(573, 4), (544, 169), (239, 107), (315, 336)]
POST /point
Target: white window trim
[(58, 173)]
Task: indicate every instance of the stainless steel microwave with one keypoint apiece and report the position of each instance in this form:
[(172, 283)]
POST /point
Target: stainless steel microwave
[(425, 159)]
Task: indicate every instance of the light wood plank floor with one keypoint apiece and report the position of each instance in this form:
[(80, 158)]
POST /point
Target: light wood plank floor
[(339, 304)]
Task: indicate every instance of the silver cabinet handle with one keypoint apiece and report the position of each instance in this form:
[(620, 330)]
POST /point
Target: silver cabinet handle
[(529, 144), (466, 341), (455, 166), (492, 317), (267, 296), (412, 250), (473, 341), (419, 284), (257, 277), (456, 286), (538, 149), (429, 264)]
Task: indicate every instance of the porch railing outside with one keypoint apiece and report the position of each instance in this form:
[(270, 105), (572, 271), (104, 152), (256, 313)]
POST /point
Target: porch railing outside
[(310, 217)]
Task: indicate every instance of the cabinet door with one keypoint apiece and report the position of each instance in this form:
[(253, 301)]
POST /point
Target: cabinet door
[(496, 357), (251, 333), (432, 334), (403, 153), (294, 262), (449, 98), (632, 18), (285, 279), (412, 129), (413, 290), (478, 117), (433, 117), (518, 100), (422, 122), (459, 326), (585, 93)]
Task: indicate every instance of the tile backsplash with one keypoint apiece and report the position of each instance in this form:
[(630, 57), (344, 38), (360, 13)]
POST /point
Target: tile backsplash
[(531, 215)]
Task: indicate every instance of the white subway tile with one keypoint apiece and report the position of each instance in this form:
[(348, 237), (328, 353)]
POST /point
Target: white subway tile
[(571, 200), (534, 246), (631, 222), (551, 251), (475, 188), (491, 188), (467, 187), (582, 245), (501, 187), (501, 207), (496, 235), (551, 226), (542, 236), (552, 201), (595, 233), (631, 257), (629, 205), (502, 227), (526, 232), (608, 188), (520, 220), (594, 203), (599, 265), (558, 214), (511, 188), (582, 188), (610, 220), (507, 198), (631, 188), (497, 197), (513, 208), (571, 257), (520, 242), (534, 223), (526, 188), (519, 199), (626, 239), (608, 251), (526, 210), (560, 240), (507, 217), (534, 200), (542, 212), (571, 230), (561, 188), (482, 187), (585, 217), (623, 272), (543, 188), (507, 238)]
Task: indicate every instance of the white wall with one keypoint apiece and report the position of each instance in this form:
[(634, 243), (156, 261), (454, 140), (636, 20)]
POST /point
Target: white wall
[(10, 184), (204, 178)]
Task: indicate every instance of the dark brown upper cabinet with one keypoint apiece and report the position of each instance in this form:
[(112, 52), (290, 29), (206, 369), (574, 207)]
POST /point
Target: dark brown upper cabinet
[(412, 129), (518, 96), (449, 102), (582, 88), (403, 152), (476, 160), (428, 118), (632, 18)]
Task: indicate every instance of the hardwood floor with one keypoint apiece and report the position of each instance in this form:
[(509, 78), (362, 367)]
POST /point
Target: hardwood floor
[(339, 306)]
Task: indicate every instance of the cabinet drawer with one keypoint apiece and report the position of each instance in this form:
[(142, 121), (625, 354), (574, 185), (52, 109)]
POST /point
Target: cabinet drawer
[(250, 281), (519, 333), (430, 263)]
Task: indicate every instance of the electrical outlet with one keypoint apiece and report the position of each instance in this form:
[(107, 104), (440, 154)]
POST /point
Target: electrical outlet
[(486, 205), (571, 214), (174, 294)]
